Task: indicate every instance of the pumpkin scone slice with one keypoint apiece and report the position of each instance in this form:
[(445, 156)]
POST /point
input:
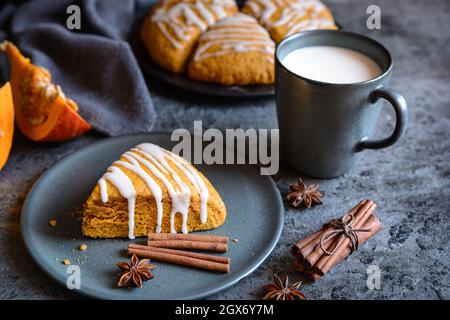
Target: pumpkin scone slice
[(150, 189), (235, 51), (172, 28), (283, 18)]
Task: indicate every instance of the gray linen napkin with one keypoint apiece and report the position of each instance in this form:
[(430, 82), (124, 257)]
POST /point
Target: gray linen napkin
[(94, 65)]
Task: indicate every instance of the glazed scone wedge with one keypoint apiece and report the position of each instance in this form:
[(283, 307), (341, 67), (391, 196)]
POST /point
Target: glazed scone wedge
[(172, 28), (234, 51), (283, 18), (150, 189)]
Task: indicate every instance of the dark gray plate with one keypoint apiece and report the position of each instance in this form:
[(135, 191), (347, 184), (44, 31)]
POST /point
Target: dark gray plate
[(181, 81), (255, 217)]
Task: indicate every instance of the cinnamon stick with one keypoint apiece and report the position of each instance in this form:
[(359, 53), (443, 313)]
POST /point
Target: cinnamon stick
[(187, 244), (180, 259), (305, 246), (310, 275), (188, 237), (202, 256)]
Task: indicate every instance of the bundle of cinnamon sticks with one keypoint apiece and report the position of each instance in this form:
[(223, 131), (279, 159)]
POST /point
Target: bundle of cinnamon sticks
[(166, 247), (318, 253)]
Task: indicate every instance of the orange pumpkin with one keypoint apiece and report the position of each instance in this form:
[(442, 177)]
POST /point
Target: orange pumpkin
[(6, 122), (42, 111)]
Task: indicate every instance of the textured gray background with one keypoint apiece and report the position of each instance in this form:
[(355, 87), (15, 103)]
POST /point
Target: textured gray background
[(410, 181)]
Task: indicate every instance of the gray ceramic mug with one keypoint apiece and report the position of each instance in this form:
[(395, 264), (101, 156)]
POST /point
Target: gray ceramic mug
[(324, 126)]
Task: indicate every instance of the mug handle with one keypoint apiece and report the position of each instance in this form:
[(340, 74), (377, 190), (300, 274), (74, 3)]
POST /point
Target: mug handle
[(401, 114)]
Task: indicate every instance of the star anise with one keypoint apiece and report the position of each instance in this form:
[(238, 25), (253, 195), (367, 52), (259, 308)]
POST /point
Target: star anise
[(135, 272), (301, 194), (283, 291)]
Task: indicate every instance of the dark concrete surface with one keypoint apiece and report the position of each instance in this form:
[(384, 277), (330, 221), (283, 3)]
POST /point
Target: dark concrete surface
[(410, 181)]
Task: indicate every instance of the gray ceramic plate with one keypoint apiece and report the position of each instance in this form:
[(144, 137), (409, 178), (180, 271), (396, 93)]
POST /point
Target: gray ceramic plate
[(255, 217)]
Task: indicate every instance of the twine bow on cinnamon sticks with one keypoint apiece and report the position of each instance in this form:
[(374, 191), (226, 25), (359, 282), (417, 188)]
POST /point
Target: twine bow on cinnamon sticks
[(342, 226), (318, 253)]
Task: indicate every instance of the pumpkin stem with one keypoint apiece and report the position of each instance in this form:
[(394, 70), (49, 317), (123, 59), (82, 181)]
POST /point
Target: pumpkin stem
[(3, 45)]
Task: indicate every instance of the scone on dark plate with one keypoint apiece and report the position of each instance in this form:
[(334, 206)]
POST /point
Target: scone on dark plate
[(234, 51), (172, 28), (283, 18), (150, 189)]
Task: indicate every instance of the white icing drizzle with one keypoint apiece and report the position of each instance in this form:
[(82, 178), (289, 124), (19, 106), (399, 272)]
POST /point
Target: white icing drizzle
[(310, 24), (126, 189), (182, 16), (196, 181), (103, 190), (205, 13), (239, 33), (180, 197), (134, 166), (295, 16), (219, 10), (234, 33), (156, 160), (264, 9), (254, 8), (169, 37), (180, 201)]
